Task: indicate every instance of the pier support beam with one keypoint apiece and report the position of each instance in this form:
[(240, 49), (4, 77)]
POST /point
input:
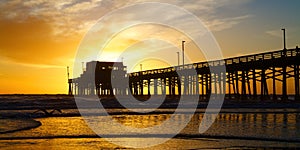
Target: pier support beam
[(264, 86), (297, 89), (197, 84), (141, 84), (202, 87), (149, 86), (170, 86), (274, 83), (254, 84), (243, 85), (248, 83), (179, 85), (284, 84), (229, 85), (237, 85), (173, 86), (155, 86)]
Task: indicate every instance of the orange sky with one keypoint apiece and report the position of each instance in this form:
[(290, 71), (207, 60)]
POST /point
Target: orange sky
[(33, 60), (39, 39)]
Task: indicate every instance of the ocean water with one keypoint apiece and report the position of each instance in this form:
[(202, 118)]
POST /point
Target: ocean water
[(234, 128), (230, 130)]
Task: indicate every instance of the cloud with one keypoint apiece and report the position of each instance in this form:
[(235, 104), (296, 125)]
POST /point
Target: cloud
[(34, 30), (44, 66), (69, 17), (31, 41), (6, 60), (226, 23), (275, 33)]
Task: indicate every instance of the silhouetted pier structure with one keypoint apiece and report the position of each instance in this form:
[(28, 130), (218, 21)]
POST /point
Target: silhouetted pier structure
[(102, 73), (263, 76)]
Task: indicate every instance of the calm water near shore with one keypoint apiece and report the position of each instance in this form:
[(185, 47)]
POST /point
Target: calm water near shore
[(230, 130), (233, 128)]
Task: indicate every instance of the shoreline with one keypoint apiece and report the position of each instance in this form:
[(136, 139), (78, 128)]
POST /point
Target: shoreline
[(26, 124), (25, 106), (59, 101), (66, 113)]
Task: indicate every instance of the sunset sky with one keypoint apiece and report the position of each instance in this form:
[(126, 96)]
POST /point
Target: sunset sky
[(39, 38)]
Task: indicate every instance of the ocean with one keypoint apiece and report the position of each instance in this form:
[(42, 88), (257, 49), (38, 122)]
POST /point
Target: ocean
[(22, 126)]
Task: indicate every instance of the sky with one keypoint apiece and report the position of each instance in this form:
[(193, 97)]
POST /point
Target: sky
[(40, 38)]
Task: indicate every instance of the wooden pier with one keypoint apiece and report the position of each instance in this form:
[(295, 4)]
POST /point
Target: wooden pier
[(264, 76)]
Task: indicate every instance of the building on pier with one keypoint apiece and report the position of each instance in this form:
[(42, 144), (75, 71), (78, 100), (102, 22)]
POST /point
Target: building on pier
[(97, 77)]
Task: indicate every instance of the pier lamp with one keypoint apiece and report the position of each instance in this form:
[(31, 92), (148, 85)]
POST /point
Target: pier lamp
[(182, 44), (178, 58), (284, 39)]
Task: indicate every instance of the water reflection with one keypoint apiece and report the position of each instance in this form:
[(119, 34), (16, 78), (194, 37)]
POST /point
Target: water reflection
[(142, 121), (280, 126)]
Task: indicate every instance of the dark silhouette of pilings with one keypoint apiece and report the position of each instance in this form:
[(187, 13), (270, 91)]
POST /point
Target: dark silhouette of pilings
[(296, 74), (250, 77), (70, 87)]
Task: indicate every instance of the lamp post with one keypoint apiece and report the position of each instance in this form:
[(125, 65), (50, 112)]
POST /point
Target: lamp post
[(178, 58), (68, 72), (141, 67), (69, 82), (284, 39), (182, 44), (82, 65)]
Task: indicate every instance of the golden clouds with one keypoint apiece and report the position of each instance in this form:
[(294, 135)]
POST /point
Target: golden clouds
[(32, 59), (31, 41)]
